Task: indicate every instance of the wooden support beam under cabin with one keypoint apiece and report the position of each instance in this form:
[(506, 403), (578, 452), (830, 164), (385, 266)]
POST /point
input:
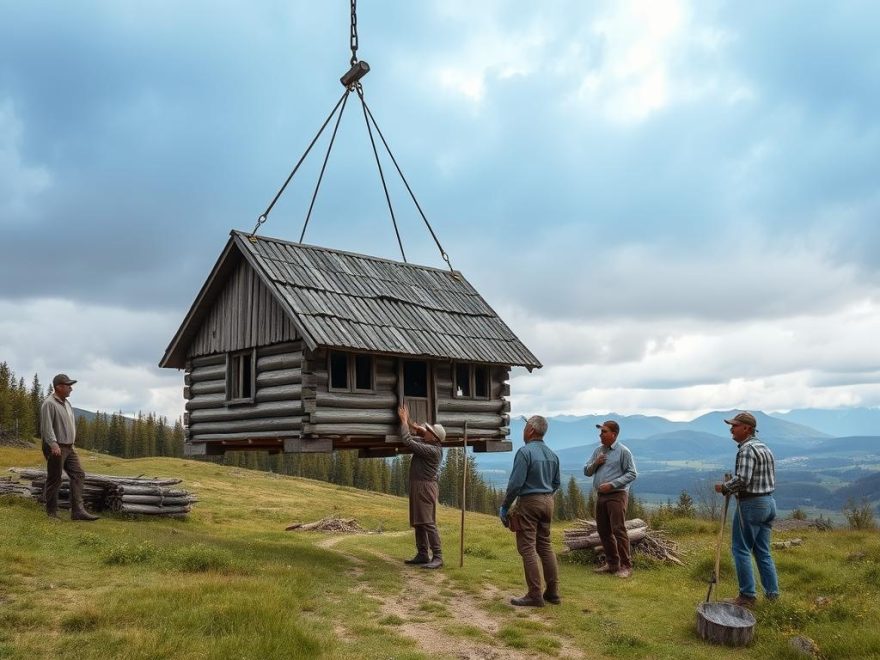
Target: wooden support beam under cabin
[(275, 436), (487, 446), (307, 446), (377, 452)]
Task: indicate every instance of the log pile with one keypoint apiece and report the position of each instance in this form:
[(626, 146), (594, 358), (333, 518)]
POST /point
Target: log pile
[(643, 540), (345, 526), (129, 495), (9, 487)]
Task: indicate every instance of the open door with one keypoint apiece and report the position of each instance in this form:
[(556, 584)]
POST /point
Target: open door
[(415, 377)]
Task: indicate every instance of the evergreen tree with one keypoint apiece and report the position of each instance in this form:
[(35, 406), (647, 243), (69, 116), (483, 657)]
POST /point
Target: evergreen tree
[(575, 505)]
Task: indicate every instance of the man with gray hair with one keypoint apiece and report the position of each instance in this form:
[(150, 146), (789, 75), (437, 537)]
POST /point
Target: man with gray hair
[(533, 480)]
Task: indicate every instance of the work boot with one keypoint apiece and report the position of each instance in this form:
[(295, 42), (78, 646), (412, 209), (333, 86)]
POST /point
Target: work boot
[(605, 568), (83, 515), (436, 562), (527, 601), (624, 572), (418, 559), (53, 515), (553, 599), (742, 601)]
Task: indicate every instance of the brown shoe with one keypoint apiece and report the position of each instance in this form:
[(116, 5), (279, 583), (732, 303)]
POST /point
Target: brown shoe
[(418, 559), (553, 599), (624, 572), (742, 601), (436, 562), (82, 515), (605, 568), (527, 601)]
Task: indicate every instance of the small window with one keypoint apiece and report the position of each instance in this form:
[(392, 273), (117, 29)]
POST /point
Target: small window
[(415, 379), (472, 381), (462, 380), (363, 372), (481, 382), (240, 376), (338, 370)]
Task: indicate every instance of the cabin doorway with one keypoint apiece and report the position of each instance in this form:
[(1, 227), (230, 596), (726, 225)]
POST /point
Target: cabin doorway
[(415, 377)]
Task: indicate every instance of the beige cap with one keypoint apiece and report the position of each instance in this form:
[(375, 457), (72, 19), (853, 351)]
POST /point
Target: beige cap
[(437, 430), (746, 418)]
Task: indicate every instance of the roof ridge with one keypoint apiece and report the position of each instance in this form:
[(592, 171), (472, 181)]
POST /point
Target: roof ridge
[(358, 255)]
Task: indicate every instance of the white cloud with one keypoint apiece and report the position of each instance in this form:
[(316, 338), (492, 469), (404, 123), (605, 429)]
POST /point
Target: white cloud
[(111, 351)]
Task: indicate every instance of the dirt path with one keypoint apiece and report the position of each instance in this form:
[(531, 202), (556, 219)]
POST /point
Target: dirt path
[(443, 620)]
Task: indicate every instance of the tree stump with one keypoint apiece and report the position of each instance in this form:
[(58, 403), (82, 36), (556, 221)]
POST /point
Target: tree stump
[(725, 623)]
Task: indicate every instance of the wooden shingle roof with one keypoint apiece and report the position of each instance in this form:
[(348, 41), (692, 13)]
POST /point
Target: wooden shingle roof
[(361, 303)]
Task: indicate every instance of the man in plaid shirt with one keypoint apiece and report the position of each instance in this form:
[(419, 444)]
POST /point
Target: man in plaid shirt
[(753, 484)]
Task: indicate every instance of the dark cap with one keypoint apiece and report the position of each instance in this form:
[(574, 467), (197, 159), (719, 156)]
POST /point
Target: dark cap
[(746, 418), (610, 424), (62, 379)]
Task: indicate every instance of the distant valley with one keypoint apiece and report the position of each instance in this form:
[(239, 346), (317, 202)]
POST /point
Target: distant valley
[(824, 457)]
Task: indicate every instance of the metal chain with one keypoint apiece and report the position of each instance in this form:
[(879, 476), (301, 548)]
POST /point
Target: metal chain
[(354, 32)]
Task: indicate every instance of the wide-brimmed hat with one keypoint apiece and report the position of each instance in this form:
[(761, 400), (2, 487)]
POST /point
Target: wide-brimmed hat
[(746, 418), (437, 431)]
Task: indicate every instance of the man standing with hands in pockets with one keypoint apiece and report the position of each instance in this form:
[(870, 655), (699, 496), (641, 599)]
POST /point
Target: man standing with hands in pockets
[(613, 469)]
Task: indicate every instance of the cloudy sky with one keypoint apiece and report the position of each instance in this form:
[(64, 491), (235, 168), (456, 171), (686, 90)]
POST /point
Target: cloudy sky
[(674, 204)]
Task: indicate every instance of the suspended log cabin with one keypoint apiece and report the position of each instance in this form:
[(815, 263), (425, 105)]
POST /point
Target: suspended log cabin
[(295, 348)]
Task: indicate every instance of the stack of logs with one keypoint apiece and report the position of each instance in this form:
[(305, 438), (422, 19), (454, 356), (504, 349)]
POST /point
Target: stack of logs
[(131, 495), (645, 541)]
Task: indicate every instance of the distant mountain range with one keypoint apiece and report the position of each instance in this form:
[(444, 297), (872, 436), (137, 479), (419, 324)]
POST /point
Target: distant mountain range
[(824, 457)]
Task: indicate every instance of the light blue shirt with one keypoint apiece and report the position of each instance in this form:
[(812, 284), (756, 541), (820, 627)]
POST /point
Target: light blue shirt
[(619, 468)]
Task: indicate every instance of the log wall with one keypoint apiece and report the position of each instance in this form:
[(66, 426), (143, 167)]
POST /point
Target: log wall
[(276, 412), (342, 415), (486, 418), (244, 315)]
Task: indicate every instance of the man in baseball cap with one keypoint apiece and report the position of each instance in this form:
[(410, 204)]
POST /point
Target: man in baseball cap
[(753, 484), (58, 430)]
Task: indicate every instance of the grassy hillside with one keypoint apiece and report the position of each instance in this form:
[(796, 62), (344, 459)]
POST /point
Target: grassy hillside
[(230, 582)]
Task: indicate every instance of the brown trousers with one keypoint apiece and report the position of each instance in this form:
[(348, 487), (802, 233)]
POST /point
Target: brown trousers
[(533, 543), (423, 516), (69, 462), (611, 524)]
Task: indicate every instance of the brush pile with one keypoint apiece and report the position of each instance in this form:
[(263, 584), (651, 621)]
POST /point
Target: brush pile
[(345, 526), (131, 495), (642, 540)]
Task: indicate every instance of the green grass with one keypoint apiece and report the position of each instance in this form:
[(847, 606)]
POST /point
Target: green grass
[(230, 582)]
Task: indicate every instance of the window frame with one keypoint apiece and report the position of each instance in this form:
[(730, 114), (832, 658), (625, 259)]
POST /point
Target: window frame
[(472, 381), (234, 361), (351, 372)]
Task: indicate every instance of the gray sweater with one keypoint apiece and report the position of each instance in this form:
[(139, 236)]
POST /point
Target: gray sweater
[(57, 422)]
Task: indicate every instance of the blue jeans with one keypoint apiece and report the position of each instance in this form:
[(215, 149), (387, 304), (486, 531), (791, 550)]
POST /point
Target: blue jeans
[(751, 536)]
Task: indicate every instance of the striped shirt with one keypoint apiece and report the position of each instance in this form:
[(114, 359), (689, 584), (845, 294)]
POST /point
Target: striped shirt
[(57, 422), (755, 470)]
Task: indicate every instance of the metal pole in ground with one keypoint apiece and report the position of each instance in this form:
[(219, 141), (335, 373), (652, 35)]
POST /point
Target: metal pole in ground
[(463, 494)]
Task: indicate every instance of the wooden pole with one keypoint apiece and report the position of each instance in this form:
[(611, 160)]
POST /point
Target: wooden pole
[(463, 494), (714, 581)]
